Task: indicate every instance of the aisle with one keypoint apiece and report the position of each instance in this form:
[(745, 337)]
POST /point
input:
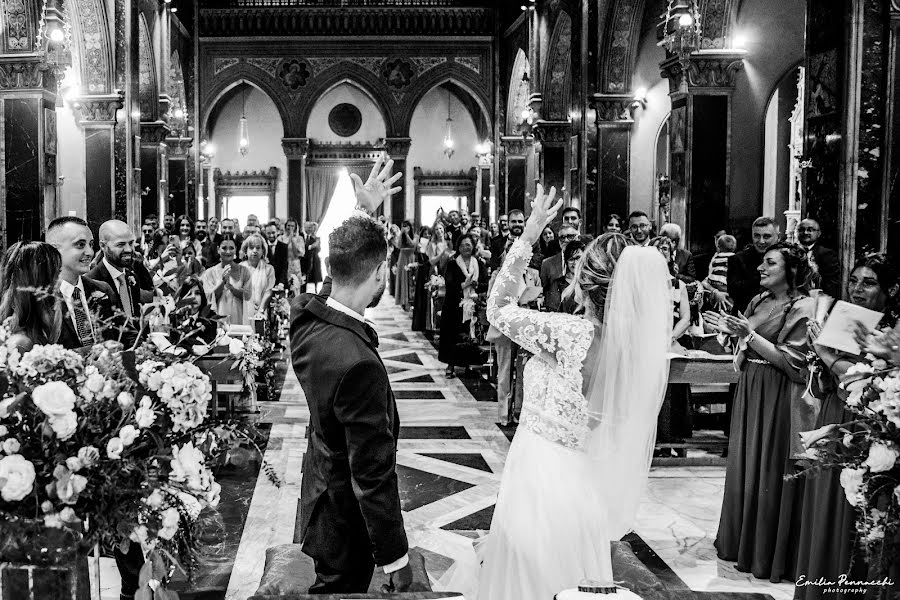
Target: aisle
[(451, 454)]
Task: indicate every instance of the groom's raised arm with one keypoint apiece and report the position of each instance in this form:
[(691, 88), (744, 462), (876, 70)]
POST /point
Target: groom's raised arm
[(361, 405)]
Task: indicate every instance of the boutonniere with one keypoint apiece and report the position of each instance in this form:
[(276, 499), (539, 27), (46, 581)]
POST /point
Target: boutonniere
[(131, 280)]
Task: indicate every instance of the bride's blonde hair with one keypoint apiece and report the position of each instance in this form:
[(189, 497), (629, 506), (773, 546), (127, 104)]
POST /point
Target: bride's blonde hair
[(594, 272)]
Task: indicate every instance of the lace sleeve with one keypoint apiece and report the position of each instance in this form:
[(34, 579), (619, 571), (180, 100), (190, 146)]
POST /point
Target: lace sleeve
[(559, 338)]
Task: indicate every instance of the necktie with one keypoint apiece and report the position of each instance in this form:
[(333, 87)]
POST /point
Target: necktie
[(82, 322), (125, 295)]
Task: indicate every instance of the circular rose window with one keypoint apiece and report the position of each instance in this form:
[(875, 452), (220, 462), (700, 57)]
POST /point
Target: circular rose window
[(345, 119)]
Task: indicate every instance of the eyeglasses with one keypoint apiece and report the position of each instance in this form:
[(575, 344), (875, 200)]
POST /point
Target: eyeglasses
[(640, 226), (569, 237)]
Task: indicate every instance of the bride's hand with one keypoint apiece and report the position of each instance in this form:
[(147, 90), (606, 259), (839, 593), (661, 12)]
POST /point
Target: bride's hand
[(543, 211)]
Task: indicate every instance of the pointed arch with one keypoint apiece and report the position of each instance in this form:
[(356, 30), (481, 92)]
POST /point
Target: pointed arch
[(252, 75), (357, 76), (518, 93), (623, 37), (558, 72), (462, 85), (90, 30)]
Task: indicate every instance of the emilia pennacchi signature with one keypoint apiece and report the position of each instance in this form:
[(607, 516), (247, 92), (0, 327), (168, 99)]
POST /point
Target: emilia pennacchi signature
[(844, 582)]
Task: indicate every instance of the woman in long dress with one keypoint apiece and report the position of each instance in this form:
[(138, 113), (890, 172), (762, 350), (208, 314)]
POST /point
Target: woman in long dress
[(423, 274), (296, 251), (578, 464), (311, 259), (758, 527), (466, 277), (828, 522), (262, 274), (227, 284)]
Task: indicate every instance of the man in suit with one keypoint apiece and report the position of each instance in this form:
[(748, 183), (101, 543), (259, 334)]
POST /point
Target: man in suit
[(498, 243), (640, 228), (83, 297), (350, 517), (684, 259), (825, 259), (743, 276), (555, 267), (278, 254), (117, 269)]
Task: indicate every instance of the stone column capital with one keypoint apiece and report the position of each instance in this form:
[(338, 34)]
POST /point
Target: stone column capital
[(705, 70), (25, 74), (295, 148), (554, 132), (397, 147), (154, 133), (98, 110), (179, 147), (516, 145), (613, 108)]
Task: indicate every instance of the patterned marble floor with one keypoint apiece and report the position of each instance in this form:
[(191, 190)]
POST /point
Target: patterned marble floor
[(450, 457)]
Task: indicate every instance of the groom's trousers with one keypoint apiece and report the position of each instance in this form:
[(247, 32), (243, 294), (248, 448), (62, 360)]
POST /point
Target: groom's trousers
[(342, 551)]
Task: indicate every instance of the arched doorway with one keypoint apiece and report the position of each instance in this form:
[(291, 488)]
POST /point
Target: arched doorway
[(783, 144)]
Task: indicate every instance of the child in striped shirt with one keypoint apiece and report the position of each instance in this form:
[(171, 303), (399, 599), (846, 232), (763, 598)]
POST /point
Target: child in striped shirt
[(717, 280)]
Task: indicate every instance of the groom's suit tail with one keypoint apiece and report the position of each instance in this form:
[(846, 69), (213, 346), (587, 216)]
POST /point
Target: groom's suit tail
[(350, 517)]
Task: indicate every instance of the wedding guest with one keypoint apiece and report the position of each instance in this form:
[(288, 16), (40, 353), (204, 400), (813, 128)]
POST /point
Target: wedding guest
[(252, 221), (313, 268), (437, 253), (201, 237), (296, 244), (454, 226), (825, 259), (495, 230), (190, 265), (230, 227), (757, 528), (262, 274), (555, 298), (115, 270), (212, 228), (547, 243), (83, 297), (743, 267), (554, 267), (466, 277), (167, 268), (613, 224), (684, 260), (191, 297), (153, 221), (827, 529), (393, 237), (406, 244), (169, 224), (717, 280), (277, 254), (482, 243), (423, 275), (572, 216), (227, 284), (640, 228), (185, 228), (28, 277), (146, 242), (499, 242)]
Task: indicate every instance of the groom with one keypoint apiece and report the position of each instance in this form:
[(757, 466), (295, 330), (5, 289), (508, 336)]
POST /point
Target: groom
[(350, 518)]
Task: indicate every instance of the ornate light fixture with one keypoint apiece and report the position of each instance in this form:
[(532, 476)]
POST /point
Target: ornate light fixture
[(680, 28), (448, 136), (243, 132)]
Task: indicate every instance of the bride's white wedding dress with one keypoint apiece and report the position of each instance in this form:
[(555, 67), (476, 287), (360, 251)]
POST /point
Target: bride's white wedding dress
[(552, 526)]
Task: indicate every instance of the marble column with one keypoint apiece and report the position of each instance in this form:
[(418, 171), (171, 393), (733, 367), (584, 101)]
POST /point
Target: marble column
[(154, 166), (701, 84), (517, 170), (97, 116), (126, 61), (296, 149), (179, 175), (28, 151), (397, 148), (554, 160), (891, 212), (611, 159)]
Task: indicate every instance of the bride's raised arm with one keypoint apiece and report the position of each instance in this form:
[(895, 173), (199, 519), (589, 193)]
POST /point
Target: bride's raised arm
[(560, 338)]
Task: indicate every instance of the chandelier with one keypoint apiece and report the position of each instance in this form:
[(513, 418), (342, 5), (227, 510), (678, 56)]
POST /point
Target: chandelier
[(679, 30), (243, 132), (448, 135), (55, 36)]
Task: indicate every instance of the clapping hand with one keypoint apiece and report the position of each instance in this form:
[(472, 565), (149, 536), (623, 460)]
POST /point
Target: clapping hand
[(882, 345), (543, 211), (377, 188), (813, 331), (728, 324)]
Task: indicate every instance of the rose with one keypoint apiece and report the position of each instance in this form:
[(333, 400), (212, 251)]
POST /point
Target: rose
[(88, 456), (74, 464), (128, 434), (16, 477), (54, 399), (125, 400), (64, 426), (3, 430), (809, 438), (852, 481), (170, 520), (68, 485), (11, 446), (882, 457), (144, 414), (5, 406), (114, 448), (95, 383), (235, 347), (154, 500)]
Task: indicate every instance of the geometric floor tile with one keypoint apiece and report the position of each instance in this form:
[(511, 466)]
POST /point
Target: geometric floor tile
[(418, 488), (439, 432), (476, 520), (473, 460), (407, 358), (418, 394)]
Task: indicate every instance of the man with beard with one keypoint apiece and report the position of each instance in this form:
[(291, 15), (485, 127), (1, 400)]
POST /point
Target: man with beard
[(498, 243), (826, 260), (743, 273), (116, 270), (278, 254), (350, 517), (640, 228), (454, 226), (169, 224)]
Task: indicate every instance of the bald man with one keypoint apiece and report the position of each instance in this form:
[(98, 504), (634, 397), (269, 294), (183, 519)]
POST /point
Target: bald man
[(116, 269)]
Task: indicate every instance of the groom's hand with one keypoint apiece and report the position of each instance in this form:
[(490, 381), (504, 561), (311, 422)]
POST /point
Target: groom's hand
[(401, 580), (377, 188)]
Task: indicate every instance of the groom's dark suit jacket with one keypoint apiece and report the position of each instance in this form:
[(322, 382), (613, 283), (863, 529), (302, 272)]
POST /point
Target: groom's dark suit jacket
[(349, 490)]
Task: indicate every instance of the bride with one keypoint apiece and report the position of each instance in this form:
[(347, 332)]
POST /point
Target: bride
[(579, 461)]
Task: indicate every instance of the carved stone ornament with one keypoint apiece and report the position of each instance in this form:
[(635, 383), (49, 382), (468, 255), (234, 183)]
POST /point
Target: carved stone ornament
[(293, 74), (398, 73), (22, 75), (705, 69), (397, 147), (153, 133), (556, 132), (295, 148), (98, 109), (515, 145), (179, 147), (612, 108)]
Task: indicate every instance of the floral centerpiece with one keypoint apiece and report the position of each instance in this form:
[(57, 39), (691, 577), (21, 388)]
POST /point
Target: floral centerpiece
[(254, 357), (866, 451), (115, 447)]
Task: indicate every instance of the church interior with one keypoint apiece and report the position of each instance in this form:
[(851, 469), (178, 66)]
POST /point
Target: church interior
[(704, 113)]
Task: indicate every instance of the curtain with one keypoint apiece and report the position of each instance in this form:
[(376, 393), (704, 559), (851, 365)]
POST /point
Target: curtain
[(320, 184)]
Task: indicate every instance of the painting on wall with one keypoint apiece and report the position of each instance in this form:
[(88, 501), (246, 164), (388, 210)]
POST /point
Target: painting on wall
[(823, 82), (49, 131), (678, 129)]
